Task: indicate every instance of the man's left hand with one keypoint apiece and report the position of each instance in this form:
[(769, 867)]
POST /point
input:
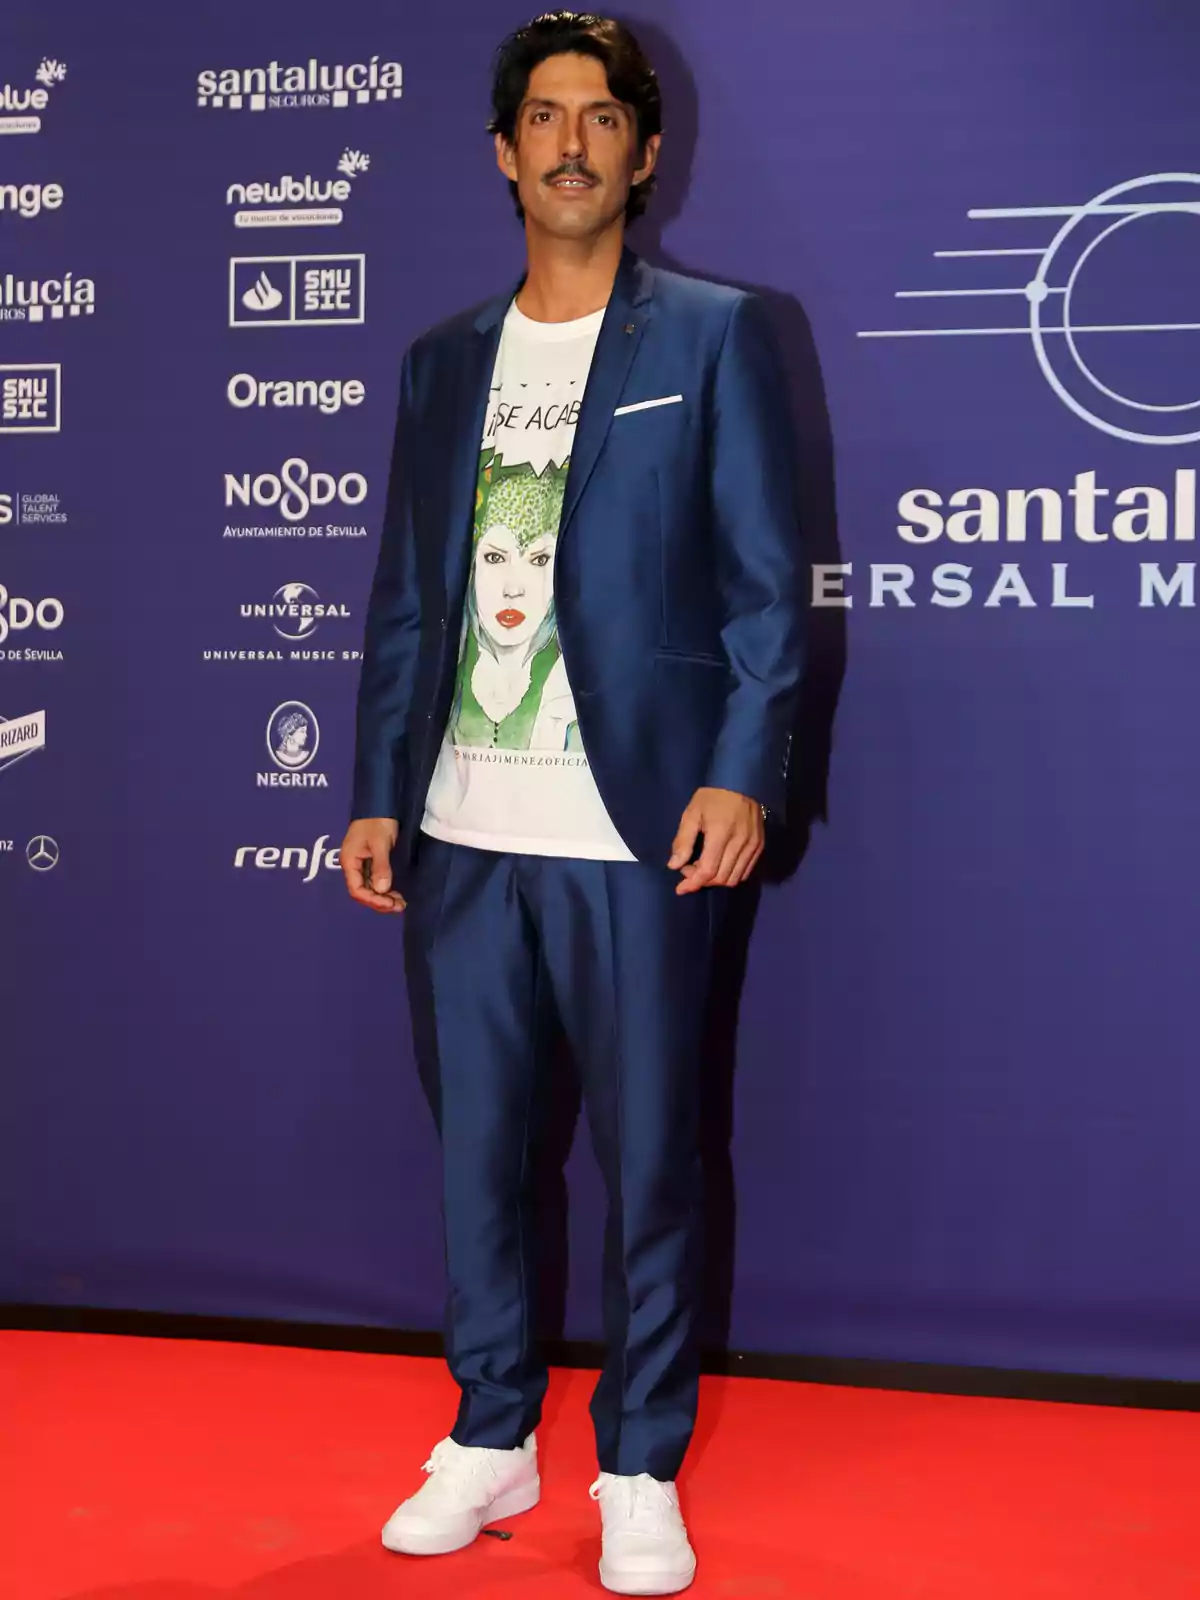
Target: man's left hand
[(732, 825)]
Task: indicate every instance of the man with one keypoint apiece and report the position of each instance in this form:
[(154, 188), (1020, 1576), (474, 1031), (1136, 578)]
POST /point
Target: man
[(582, 656)]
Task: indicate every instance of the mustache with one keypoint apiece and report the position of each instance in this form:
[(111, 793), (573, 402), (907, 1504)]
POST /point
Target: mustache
[(572, 169)]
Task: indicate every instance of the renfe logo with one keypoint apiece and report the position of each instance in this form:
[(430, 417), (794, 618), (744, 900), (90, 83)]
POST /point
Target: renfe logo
[(266, 858), (277, 87)]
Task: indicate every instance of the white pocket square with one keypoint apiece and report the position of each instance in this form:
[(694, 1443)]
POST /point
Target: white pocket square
[(645, 405)]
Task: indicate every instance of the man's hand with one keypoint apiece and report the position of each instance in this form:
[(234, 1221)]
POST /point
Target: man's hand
[(367, 862), (733, 831)]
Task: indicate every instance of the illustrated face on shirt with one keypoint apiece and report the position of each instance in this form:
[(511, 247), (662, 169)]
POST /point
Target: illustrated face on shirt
[(513, 586)]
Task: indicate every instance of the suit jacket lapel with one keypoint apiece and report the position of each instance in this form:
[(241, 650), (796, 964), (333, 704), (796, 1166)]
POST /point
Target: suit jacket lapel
[(620, 334), (472, 384)]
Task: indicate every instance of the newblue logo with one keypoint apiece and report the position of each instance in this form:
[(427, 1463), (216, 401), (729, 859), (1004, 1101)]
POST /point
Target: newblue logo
[(21, 108), (297, 202)]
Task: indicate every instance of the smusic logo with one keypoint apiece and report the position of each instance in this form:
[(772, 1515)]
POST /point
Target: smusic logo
[(278, 87), (293, 739), (30, 397), (297, 291)]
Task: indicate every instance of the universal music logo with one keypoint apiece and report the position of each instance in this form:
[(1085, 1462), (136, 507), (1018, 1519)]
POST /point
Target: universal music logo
[(20, 108), (296, 202), (296, 613), (279, 87)]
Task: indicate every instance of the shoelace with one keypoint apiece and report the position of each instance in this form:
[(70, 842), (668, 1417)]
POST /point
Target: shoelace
[(642, 1502), (452, 1469)]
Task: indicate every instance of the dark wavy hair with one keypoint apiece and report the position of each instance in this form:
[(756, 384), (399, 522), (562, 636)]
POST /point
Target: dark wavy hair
[(631, 79)]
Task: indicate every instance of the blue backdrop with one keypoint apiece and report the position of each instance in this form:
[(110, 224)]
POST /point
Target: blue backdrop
[(966, 1105)]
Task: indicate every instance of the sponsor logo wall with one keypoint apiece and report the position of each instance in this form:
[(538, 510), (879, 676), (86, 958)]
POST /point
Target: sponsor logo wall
[(964, 1059)]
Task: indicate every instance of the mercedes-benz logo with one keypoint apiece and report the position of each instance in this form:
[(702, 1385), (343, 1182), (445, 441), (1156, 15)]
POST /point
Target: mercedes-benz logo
[(42, 852)]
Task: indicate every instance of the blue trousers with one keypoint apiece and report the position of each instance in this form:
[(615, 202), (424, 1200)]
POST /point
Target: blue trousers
[(494, 945)]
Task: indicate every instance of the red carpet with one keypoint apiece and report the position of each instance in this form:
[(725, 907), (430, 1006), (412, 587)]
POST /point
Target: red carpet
[(145, 1469)]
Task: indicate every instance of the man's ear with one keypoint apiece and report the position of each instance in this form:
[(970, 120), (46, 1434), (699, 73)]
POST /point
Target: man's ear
[(649, 159), (506, 157)]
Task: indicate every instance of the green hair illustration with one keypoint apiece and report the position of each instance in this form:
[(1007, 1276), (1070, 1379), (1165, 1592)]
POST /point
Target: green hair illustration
[(529, 504)]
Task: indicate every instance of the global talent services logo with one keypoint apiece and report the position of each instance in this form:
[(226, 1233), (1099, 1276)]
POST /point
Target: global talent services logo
[(297, 291), (278, 86), (29, 200), (21, 106), (30, 397), (296, 615), (290, 202), (293, 739), (20, 737), (20, 509), (293, 493), (1077, 299), (20, 616), (42, 299)]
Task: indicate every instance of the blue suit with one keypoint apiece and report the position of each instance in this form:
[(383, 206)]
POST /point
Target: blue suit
[(678, 592)]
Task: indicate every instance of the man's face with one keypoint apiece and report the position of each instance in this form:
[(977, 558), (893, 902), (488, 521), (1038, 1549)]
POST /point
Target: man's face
[(575, 156)]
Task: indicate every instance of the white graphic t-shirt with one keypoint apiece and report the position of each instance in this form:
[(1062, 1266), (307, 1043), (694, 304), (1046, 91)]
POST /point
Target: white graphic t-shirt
[(512, 773)]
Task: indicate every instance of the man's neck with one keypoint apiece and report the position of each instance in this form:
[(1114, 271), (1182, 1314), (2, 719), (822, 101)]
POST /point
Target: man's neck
[(569, 278)]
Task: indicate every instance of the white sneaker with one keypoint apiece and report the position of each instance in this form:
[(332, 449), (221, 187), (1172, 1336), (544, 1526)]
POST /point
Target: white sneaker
[(645, 1546), (468, 1489)]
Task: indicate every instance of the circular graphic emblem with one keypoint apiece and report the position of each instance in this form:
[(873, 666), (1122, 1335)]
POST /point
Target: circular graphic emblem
[(299, 621), (1059, 328), (293, 736), (42, 852)]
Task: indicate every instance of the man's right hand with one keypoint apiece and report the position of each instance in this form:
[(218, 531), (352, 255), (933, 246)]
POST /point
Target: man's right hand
[(366, 858)]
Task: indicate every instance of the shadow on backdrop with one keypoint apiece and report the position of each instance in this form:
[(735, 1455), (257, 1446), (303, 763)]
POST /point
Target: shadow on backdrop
[(808, 775)]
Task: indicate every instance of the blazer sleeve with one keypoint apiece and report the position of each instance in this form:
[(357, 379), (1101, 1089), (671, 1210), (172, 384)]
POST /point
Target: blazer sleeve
[(758, 552), (392, 633)]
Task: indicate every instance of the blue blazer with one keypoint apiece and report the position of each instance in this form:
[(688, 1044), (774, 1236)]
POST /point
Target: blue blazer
[(678, 577)]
